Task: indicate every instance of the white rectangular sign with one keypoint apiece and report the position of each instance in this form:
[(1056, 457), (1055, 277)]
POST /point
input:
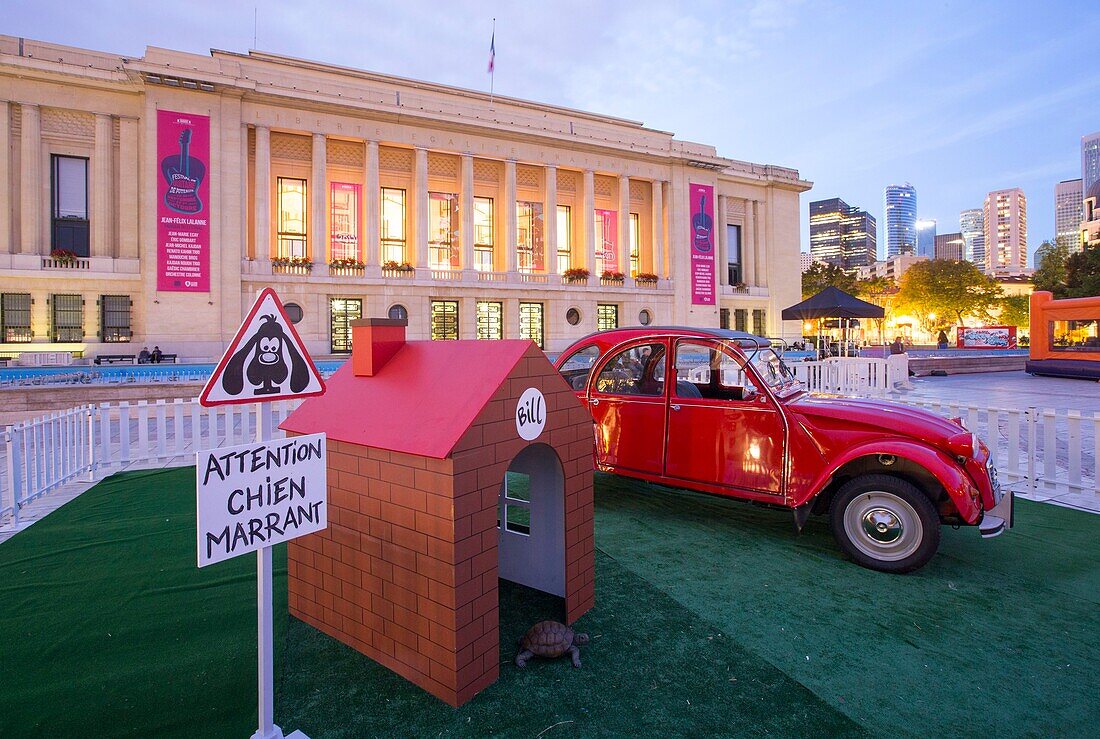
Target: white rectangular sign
[(255, 495)]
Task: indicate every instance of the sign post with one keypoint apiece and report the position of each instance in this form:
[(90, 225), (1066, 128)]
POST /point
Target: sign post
[(253, 496)]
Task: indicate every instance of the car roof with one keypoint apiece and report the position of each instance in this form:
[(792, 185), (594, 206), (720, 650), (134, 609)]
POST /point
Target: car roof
[(615, 335)]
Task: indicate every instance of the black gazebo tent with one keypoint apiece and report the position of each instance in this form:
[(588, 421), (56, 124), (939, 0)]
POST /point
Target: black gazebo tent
[(832, 302)]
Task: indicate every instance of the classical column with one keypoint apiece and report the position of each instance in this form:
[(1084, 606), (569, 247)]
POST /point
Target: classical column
[(128, 188), (101, 187), (372, 206), (588, 218), (5, 178), (261, 194), (550, 219), (318, 217), (748, 246), (624, 225), (30, 179), (466, 212), (658, 221), (510, 215), (760, 234), (420, 208), (722, 241)]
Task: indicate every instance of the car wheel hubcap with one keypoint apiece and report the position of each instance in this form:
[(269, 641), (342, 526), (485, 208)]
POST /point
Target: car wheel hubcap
[(883, 526)]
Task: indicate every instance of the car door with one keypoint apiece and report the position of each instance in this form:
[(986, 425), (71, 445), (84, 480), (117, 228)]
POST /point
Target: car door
[(626, 397), (723, 429)]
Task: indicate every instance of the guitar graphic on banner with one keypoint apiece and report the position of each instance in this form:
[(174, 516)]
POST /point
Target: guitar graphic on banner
[(184, 175), (701, 225)]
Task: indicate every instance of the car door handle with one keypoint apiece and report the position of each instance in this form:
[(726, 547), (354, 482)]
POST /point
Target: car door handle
[(674, 407), (594, 401)]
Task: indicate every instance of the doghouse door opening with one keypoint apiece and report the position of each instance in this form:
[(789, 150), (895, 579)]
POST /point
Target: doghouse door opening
[(531, 520)]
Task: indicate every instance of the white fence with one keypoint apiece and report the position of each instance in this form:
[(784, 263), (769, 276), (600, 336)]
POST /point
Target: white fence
[(45, 453), (852, 375)]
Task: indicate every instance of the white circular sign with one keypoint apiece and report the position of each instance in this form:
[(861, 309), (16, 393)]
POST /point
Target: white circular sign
[(530, 414)]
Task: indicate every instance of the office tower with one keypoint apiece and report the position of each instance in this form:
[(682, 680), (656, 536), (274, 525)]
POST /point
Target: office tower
[(1068, 199), (926, 238), (950, 246), (900, 212), (972, 227), (1005, 231), (841, 234), (1090, 161)]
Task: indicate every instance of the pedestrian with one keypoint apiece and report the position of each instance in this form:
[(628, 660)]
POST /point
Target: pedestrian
[(156, 355), (898, 347), (143, 355), (941, 340)]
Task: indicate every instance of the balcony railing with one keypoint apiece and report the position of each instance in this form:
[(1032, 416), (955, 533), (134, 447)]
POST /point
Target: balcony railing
[(447, 275), (492, 276), (66, 263), (535, 278), (300, 270), (343, 270), (399, 273)]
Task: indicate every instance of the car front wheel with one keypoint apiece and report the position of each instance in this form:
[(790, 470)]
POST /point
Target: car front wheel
[(885, 523)]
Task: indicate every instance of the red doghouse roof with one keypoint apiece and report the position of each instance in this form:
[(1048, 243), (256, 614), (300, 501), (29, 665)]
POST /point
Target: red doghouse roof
[(421, 402)]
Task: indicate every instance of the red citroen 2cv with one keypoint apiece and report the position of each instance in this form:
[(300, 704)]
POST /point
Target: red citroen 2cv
[(719, 412)]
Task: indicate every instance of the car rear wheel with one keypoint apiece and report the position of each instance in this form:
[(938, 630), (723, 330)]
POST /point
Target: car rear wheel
[(885, 523)]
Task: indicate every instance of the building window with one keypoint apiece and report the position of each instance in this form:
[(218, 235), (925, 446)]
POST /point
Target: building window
[(572, 316), (342, 311), (66, 318), (530, 251), (69, 198), (733, 258), (490, 323), (344, 197), (294, 312), (758, 322), (530, 323), (483, 234), (635, 242), (443, 248), (607, 316), (398, 312), (723, 318), (292, 217), (393, 226), (444, 320), (565, 239), (114, 318), (15, 318), (741, 319), (607, 242), (645, 318)]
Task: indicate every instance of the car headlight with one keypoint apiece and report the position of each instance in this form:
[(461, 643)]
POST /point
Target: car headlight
[(963, 445)]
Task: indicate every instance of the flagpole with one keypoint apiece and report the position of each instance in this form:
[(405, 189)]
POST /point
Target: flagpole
[(493, 65)]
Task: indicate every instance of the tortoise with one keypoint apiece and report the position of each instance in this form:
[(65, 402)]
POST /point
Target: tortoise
[(550, 639)]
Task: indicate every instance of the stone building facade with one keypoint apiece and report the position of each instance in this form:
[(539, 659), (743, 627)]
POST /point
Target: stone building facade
[(320, 175)]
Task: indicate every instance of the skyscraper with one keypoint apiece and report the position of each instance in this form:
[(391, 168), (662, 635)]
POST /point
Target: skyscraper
[(950, 246), (926, 238), (1005, 231), (1090, 160), (900, 212), (1068, 199), (841, 234), (972, 227)]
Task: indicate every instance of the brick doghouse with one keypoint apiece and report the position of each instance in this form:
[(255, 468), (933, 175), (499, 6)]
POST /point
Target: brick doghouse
[(422, 437)]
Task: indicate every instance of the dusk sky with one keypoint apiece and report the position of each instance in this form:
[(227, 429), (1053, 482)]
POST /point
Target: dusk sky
[(958, 98)]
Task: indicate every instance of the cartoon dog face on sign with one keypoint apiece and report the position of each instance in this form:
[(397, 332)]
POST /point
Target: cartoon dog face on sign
[(265, 361)]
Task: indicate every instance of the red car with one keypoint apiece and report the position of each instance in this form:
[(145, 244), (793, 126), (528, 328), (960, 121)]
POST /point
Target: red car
[(719, 411)]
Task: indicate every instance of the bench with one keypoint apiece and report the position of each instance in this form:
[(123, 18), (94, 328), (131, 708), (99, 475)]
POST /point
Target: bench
[(112, 358), (167, 359)]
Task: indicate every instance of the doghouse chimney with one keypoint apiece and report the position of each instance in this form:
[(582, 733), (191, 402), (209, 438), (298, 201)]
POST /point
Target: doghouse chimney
[(374, 341)]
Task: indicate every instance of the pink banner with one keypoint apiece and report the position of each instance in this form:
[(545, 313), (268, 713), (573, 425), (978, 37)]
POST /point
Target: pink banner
[(183, 202), (701, 202), (344, 224), (607, 239)]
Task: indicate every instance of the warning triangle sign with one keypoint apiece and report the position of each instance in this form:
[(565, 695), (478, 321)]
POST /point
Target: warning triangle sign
[(265, 361)]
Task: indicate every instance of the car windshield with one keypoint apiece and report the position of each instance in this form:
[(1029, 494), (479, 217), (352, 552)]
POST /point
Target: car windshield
[(771, 369)]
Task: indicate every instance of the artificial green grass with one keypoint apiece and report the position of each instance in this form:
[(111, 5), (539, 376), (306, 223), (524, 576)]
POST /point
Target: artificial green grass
[(108, 628), (712, 618), (997, 637)]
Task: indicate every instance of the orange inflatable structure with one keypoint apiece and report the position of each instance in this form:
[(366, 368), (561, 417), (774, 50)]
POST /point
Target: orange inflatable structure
[(1065, 336)]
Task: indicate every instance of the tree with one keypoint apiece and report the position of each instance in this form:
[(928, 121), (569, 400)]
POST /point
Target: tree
[(821, 275), (1015, 310), (1050, 272), (1083, 274), (880, 291), (940, 292)]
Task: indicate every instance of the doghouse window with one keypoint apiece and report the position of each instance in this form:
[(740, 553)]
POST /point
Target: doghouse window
[(515, 505)]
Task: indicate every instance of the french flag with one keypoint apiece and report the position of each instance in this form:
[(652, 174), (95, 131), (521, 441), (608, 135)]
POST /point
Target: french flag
[(492, 52)]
